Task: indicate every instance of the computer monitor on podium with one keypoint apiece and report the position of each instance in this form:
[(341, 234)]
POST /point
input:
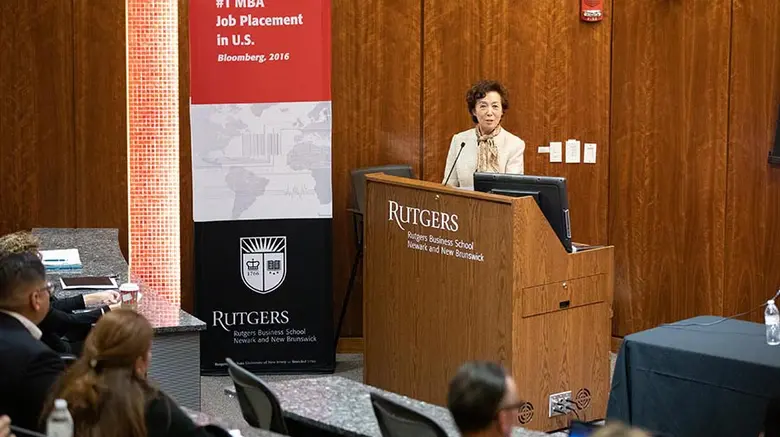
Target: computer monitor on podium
[(549, 192)]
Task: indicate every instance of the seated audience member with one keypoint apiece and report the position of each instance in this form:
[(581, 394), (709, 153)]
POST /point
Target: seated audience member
[(107, 388), (63, 331), (483, 400), (28, 368), (618, 430)]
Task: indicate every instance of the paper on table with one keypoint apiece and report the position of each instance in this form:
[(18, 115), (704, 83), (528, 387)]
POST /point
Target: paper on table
[(61, 258), (589, 153), (556, 152), (572, 151)]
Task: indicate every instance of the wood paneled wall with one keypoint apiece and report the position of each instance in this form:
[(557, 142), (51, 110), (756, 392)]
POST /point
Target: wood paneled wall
[(670, 92), (681, 98), (752, 250), (694, 205), (37, 148), (556, 69), (63, 145), (100, 101), (376, 89)]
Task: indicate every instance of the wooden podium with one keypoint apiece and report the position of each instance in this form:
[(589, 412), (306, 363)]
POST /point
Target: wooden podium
[(454, 275)]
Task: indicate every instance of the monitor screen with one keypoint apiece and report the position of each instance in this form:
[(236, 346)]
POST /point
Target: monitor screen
[(549, 192)]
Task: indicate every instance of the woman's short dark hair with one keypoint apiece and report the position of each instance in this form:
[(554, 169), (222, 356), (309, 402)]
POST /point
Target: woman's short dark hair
[(475, 395), (480, 89)]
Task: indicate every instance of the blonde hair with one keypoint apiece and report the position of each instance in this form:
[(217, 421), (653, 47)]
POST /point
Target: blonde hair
[(18, 242), (619, 430)]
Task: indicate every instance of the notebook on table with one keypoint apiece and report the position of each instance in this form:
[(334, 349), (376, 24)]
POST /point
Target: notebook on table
[(89, 282), (61, 259)]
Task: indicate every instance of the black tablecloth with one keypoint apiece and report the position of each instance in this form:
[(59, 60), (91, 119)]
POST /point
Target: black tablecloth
[(696, 380)]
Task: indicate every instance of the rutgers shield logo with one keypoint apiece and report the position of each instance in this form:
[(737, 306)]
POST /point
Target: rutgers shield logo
[(263, 262)]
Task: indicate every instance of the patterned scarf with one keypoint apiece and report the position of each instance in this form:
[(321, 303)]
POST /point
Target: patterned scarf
[(487, 151)]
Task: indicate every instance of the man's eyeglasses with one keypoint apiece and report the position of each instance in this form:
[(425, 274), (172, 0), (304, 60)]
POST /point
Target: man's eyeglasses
[(49, 288), (513, 406), (524, 410)]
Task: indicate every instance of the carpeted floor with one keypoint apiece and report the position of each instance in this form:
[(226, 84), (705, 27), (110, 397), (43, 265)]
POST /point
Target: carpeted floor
[(215, 403)]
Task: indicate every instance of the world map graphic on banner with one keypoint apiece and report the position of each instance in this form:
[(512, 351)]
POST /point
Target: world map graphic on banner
[(261, 161)]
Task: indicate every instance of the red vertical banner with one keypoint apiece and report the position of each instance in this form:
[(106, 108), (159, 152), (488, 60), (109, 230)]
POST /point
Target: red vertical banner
[(262, 200), (259, 51)]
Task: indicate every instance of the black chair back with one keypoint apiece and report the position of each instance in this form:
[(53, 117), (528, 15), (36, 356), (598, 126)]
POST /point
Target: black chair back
[(259, 406), (395, 420), (359, 181)]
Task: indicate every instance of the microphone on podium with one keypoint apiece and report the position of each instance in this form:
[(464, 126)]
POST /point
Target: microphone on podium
[(463, 144)]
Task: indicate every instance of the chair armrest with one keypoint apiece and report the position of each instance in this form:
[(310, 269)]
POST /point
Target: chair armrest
[(68, 359), (354, 211)]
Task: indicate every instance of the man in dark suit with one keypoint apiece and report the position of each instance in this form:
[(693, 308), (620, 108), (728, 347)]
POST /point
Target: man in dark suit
[(28, 368), (63, 330)]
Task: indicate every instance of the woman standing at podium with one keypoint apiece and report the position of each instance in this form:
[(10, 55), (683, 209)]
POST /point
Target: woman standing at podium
[(487, 147)]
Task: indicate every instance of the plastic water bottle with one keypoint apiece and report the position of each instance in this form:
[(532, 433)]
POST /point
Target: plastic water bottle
[(60, 422), (772, 321)]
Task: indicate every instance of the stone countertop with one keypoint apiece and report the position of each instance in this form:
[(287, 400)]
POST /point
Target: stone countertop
[(101, 256), (343, 406)]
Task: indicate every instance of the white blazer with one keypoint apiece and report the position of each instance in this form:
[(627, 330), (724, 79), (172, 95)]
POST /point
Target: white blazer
[(510, 156)]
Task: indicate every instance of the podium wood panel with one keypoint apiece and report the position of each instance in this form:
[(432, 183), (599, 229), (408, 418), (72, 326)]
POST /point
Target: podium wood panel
[(563, 350), (540, 311), (411, 311)]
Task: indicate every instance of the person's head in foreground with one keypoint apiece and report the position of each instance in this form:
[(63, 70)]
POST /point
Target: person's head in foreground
[(619, 430), (483, 400), (107, 389), (24, 241), (5, 426), (23, 286), (19, 242)]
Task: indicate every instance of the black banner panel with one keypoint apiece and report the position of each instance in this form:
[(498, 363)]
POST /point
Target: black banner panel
[(264, 288)]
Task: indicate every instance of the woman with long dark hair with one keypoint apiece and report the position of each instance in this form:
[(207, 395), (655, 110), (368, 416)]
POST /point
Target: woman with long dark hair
[(107, 389)]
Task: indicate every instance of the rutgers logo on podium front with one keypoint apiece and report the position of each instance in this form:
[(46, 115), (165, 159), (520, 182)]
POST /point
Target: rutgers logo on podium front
[(263, 262)]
